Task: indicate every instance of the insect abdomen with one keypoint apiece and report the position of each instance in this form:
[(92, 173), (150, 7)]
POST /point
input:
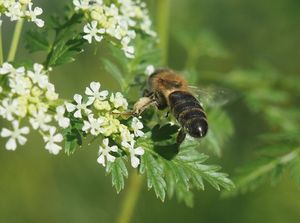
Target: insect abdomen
[(189, 113)]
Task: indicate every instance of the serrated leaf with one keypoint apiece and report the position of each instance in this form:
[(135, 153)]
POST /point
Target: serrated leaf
[(262, 170), (220, 129), (65, 51), (73, 139), (154, 171), (37, 41), (72, 136), (118, 171)]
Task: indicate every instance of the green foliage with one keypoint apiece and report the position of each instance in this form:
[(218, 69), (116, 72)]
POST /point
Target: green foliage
[(37, 41), (182, 172), (154, 172), (220, 130), (118, 172), (266, 169), (67, 43), (73, 136)]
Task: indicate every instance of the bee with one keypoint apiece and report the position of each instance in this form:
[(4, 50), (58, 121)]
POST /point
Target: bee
[(167, 89)]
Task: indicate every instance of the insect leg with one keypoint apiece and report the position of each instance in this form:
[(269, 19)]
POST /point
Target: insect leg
[(180, 137), (142, 104)]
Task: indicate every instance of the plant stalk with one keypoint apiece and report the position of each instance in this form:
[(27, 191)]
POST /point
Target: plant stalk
[(163, 21), (131, 198), (1, 46), (15, 40)]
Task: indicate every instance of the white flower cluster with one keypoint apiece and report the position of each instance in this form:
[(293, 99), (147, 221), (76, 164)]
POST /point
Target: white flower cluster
[(117, 21), (17, 10), (28, 94), (101, 115)]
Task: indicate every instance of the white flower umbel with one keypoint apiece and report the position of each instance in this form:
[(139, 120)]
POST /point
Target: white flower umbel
[(13, 72), (20, 85), (15, 135), (40, 120), (14, 11), (51, 141), (128, 50), (118, 100), (33, 13), (134, 152), (104, 152), (9, 108), (93, 92), (63, 121), (116, 21), (22, 9), (136, 126), (38, 76), (79, 107), (81, 4), (91, 31), (93, 125)]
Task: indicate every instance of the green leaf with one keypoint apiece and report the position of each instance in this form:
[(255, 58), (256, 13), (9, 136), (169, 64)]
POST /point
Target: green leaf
[(262, 170), (65, 51), (72, 136), (118, 171), (180, 174), (37, 41), (154, 171), (220, 130)]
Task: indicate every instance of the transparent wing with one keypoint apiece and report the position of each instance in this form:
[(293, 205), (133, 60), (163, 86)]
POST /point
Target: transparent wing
[(213, 96)]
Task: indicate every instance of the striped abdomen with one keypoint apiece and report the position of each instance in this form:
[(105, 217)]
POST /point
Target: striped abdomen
[(189, 113)]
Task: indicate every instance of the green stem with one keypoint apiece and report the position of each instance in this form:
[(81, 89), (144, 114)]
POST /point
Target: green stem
[(283, 160), (1, 47), (163, 21), (131, 198), (15, 40)]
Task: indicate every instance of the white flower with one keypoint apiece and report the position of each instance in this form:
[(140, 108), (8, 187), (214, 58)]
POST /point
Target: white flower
[(8, 109), (79, 107), (128, 50), (81, 4), (9, 69), (118, 100), (63, 121), (14, 11), (93, 125), (92, 31), (94, 93), (51, 141), (149, 70), (134, 152), (20, 85), (125, 133), (40, 120), (15, 135), (38, 76), (136, 125), (32, 14), (104, 151)]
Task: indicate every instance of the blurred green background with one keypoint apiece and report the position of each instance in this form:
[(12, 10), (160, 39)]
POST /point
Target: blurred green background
[(38, 187)]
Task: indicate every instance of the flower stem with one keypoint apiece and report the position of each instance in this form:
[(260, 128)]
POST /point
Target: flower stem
[(131, 198), (1, 47), (15, 40), (163, 20)]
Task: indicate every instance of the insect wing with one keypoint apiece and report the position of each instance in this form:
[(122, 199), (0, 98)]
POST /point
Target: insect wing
[(212, 96)]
